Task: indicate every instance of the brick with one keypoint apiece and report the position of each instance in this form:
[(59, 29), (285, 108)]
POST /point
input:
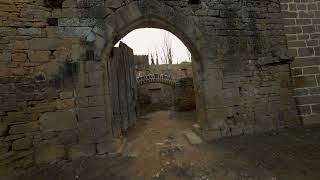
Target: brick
[(302, 92), (310, 70), (296, 71), (304, 110), (316, 108), (305, 52), (306, 61), (292, 44), (308, 99), (305, 81), (314, 91)]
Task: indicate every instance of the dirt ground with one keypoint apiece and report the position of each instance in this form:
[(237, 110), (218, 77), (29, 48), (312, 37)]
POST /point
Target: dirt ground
[(157, 149)]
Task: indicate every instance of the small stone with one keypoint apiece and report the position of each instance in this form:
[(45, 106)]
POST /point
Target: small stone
[(192, 137)]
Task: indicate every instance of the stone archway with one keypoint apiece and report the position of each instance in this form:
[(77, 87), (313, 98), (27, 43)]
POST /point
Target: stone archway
[(154, 14)]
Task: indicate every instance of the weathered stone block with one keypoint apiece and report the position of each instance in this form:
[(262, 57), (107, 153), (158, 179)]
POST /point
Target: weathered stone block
[(66, 95), (3, 129), (4, 147), (25, 162), (312, 99), (58, 121), (304, 110), (19, 57), (13, 156), (49, 154), (24, 128), (14, 137), (82, 150), (96, 101), (305, 81), (302, 52), (44, 44), (22, 144), (39, 56), (316, 108), (18, 117), (113, 3), (8, 102), (65, 104), (33, 32)]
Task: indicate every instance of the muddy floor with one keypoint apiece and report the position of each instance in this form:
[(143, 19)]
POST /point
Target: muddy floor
[(157, 149)]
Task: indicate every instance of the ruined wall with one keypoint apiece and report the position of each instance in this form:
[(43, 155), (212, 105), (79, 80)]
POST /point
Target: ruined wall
[(175, 71), (54, 90), (184, 95), (161, 94), (302, 20)]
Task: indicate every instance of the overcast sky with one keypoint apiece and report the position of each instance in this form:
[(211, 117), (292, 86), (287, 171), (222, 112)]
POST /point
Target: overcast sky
[(146, 40)]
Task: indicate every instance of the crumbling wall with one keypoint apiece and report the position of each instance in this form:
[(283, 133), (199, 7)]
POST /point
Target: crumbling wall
[(55, 99), (184, 95)]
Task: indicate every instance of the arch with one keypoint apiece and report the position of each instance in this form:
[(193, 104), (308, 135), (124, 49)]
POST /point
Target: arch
[(156, 14), (156, 78)]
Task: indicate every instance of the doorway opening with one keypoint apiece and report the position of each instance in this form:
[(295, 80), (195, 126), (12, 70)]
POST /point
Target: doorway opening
[(150, 70), (153, 95)]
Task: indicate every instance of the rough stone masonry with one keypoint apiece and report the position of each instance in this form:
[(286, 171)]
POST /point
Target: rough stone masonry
[(55, 90)]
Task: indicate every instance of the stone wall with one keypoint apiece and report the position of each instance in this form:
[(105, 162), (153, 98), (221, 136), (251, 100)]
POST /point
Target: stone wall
[(157, 83), (54, 85), (302, 27), (184, 95)]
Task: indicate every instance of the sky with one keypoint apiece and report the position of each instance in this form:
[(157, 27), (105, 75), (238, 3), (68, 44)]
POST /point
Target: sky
[(150, 40)]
